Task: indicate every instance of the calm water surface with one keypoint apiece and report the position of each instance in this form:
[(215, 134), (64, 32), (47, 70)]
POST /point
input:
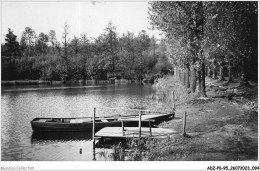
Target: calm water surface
[(19, 105)]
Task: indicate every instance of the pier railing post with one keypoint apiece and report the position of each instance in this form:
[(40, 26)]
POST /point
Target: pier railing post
[(150, 128), (173, 101), (122, 127), (140, 118), (94, 151), (184, 124), (94, 118)]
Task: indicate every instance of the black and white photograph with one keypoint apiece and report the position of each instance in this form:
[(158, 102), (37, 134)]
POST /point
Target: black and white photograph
[(129, 85)]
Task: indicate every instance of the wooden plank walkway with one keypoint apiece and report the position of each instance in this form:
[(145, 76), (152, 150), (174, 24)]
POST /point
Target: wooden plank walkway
[(154, 117), (133, 132)]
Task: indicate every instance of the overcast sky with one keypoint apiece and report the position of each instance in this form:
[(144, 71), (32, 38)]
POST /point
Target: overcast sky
[(88, 17)]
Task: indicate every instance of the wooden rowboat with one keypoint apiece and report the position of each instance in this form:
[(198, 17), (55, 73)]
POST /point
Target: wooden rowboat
[(75, 124)]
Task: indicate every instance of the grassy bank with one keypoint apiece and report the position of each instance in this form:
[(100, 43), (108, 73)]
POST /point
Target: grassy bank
[(164, 87), (222, 127)]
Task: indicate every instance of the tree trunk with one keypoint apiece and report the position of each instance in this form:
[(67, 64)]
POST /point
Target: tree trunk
[(183, 77), (214, 64), (209, 70), (221, 70), (193, 78), (221, 73), (201, 78), (230, 74), (206, 71), (199, 30), (175, 71), (188, 78), (179, 74), (203, 88), (244, 80)]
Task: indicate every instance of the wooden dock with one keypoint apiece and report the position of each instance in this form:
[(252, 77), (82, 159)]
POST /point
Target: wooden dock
[(133, 132)]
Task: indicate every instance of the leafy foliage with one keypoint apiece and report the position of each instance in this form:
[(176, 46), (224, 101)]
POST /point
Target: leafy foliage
[(109, 56), (201, 34), (11, 45)]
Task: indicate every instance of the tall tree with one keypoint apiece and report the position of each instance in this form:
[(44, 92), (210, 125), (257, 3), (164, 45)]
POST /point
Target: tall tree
[(66, 67), (29, 37), (12, 45), (23, 46), (182, 23), (153, 45), (75, 45), (143, 44), (85, 45), (65, 39), (128, 44), (112, 42), (245, 22), (53, 39), (198, 18), (85, 49), (42, 43)]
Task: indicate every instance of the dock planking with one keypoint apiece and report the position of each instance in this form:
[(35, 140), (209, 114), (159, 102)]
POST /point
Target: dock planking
[(130, 132), (155, 117), (133, 132)]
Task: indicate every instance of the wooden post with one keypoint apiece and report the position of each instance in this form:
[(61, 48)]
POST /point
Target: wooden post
[(173, 101), (94, 151), (94, 118), (150, 128), (140, 118), (122, 127), (184, 123)]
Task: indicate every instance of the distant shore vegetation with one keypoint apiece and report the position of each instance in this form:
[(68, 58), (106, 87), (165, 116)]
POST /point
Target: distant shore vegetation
[(109, 56)]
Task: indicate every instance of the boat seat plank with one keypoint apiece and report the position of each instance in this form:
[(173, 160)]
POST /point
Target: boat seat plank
[(43, 120), (80, 120)]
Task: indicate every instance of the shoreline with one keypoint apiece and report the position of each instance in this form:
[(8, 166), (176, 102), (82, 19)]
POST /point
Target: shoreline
[(41, 82)]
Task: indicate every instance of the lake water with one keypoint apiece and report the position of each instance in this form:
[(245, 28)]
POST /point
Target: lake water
[(19, 105)]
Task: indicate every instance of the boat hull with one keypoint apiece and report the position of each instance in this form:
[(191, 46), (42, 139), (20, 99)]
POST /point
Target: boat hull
[(86, 127)]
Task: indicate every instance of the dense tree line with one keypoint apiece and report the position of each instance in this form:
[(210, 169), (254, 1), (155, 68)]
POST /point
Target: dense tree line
[(109, 56), (214, 39)]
